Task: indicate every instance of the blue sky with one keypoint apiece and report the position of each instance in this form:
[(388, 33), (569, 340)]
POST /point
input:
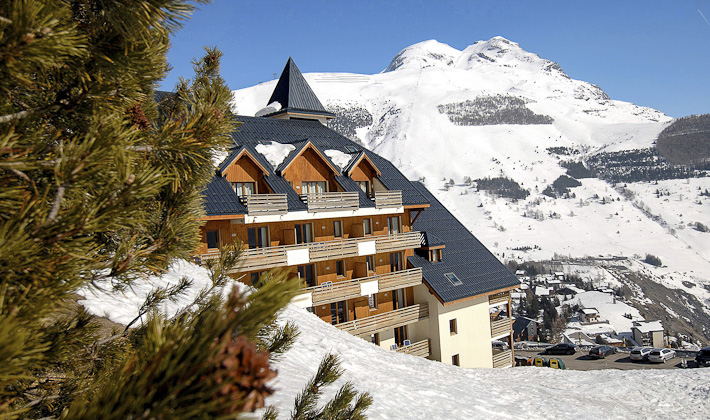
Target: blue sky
[(652, 53)]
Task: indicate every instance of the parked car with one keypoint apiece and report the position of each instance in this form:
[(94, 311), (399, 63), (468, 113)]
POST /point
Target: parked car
[(499, 345), (660, 355), (601, 352), (640, 353), (562, 348), (703, 357)]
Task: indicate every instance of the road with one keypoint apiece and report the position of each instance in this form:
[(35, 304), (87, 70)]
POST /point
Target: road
[(582, 361)]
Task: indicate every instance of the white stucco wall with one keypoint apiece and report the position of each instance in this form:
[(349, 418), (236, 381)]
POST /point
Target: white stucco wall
[(472, 342)]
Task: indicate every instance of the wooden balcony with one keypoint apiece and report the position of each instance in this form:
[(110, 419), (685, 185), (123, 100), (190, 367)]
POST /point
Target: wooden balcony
[(261, 204), (500, 326), (276, 256), (350, 289), (388, 199), (503, 359), (420, 348), (398, 241), (498, 298), (339, 248), (331, 201), (389, 320)]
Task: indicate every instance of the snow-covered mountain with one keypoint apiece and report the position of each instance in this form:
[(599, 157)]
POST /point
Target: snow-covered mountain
[(449, 117)]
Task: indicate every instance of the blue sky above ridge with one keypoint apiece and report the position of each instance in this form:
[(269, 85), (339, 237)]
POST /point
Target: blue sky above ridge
[(652, 53)]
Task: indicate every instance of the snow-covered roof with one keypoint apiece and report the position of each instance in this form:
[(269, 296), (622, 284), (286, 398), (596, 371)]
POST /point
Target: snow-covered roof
[(542, 291), (648, 326), (589, 311), (275, 152), (339, 158)]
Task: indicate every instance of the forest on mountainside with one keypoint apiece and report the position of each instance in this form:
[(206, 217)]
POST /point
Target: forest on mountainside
[(686, 141), (492, 110)]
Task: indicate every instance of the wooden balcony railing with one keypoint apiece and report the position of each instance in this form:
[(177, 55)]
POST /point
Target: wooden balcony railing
[(340, 248), (420, 348), (385, 199), (398, 241), (331, 201), (498, 298), (276, 256), (350, 289), (500, 326), (258, 204), (503, 359), (386, 321)]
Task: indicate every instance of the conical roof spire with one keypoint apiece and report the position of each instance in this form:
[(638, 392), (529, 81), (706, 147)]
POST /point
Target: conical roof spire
[(296, 96)]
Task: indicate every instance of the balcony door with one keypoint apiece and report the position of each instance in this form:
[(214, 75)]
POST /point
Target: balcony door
[(314, 187), (307, 275), (258, 237), (338, 312), (244, 189), (396, 263), (394, 225), (304, 233)]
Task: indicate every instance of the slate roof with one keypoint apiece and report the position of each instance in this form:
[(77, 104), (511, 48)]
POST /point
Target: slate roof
[(294, 94), (262, 130), (475, 266)]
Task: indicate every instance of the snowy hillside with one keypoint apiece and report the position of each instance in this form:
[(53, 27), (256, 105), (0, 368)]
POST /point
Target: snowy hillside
[(450, 117), (408, 387)]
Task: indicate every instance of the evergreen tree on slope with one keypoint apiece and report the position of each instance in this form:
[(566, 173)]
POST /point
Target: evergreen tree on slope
[(98, 183)]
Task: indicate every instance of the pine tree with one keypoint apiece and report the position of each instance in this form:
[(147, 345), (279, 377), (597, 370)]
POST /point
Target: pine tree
[(100, 183)]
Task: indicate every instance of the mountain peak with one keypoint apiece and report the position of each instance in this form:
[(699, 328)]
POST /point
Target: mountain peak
[(503, 53), (431, 53)]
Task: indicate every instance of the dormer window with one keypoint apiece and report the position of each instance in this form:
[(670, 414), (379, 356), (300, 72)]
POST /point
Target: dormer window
[(365, 186), (435, 255), (244, 189), (314, 187)]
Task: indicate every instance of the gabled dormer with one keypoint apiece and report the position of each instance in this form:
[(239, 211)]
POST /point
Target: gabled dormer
[(296, 98), (364, 172), (245, 173), (309, 170)]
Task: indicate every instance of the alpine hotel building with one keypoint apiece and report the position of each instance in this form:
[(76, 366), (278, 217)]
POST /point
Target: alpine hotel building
[(378, 255)]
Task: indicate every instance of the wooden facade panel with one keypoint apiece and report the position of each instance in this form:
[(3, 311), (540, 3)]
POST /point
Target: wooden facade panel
[(245, 170), (309, 166)]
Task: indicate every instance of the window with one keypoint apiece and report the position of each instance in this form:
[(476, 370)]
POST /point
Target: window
[(244, 188), (455, 360), (435, 255), (258, 237), (350, 149), (340, 268), (365, 186), (372, 301), (338, 313), (314, 187), (338, 229), (370, 261), (453, 279), (212, 239), (375, 339), (367, 226), (306, 274), (304, 233), (393, 225), (452, 326)]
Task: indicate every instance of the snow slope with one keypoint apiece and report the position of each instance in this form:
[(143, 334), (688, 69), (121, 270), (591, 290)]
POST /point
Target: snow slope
[(407, 127), (408, 387)]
